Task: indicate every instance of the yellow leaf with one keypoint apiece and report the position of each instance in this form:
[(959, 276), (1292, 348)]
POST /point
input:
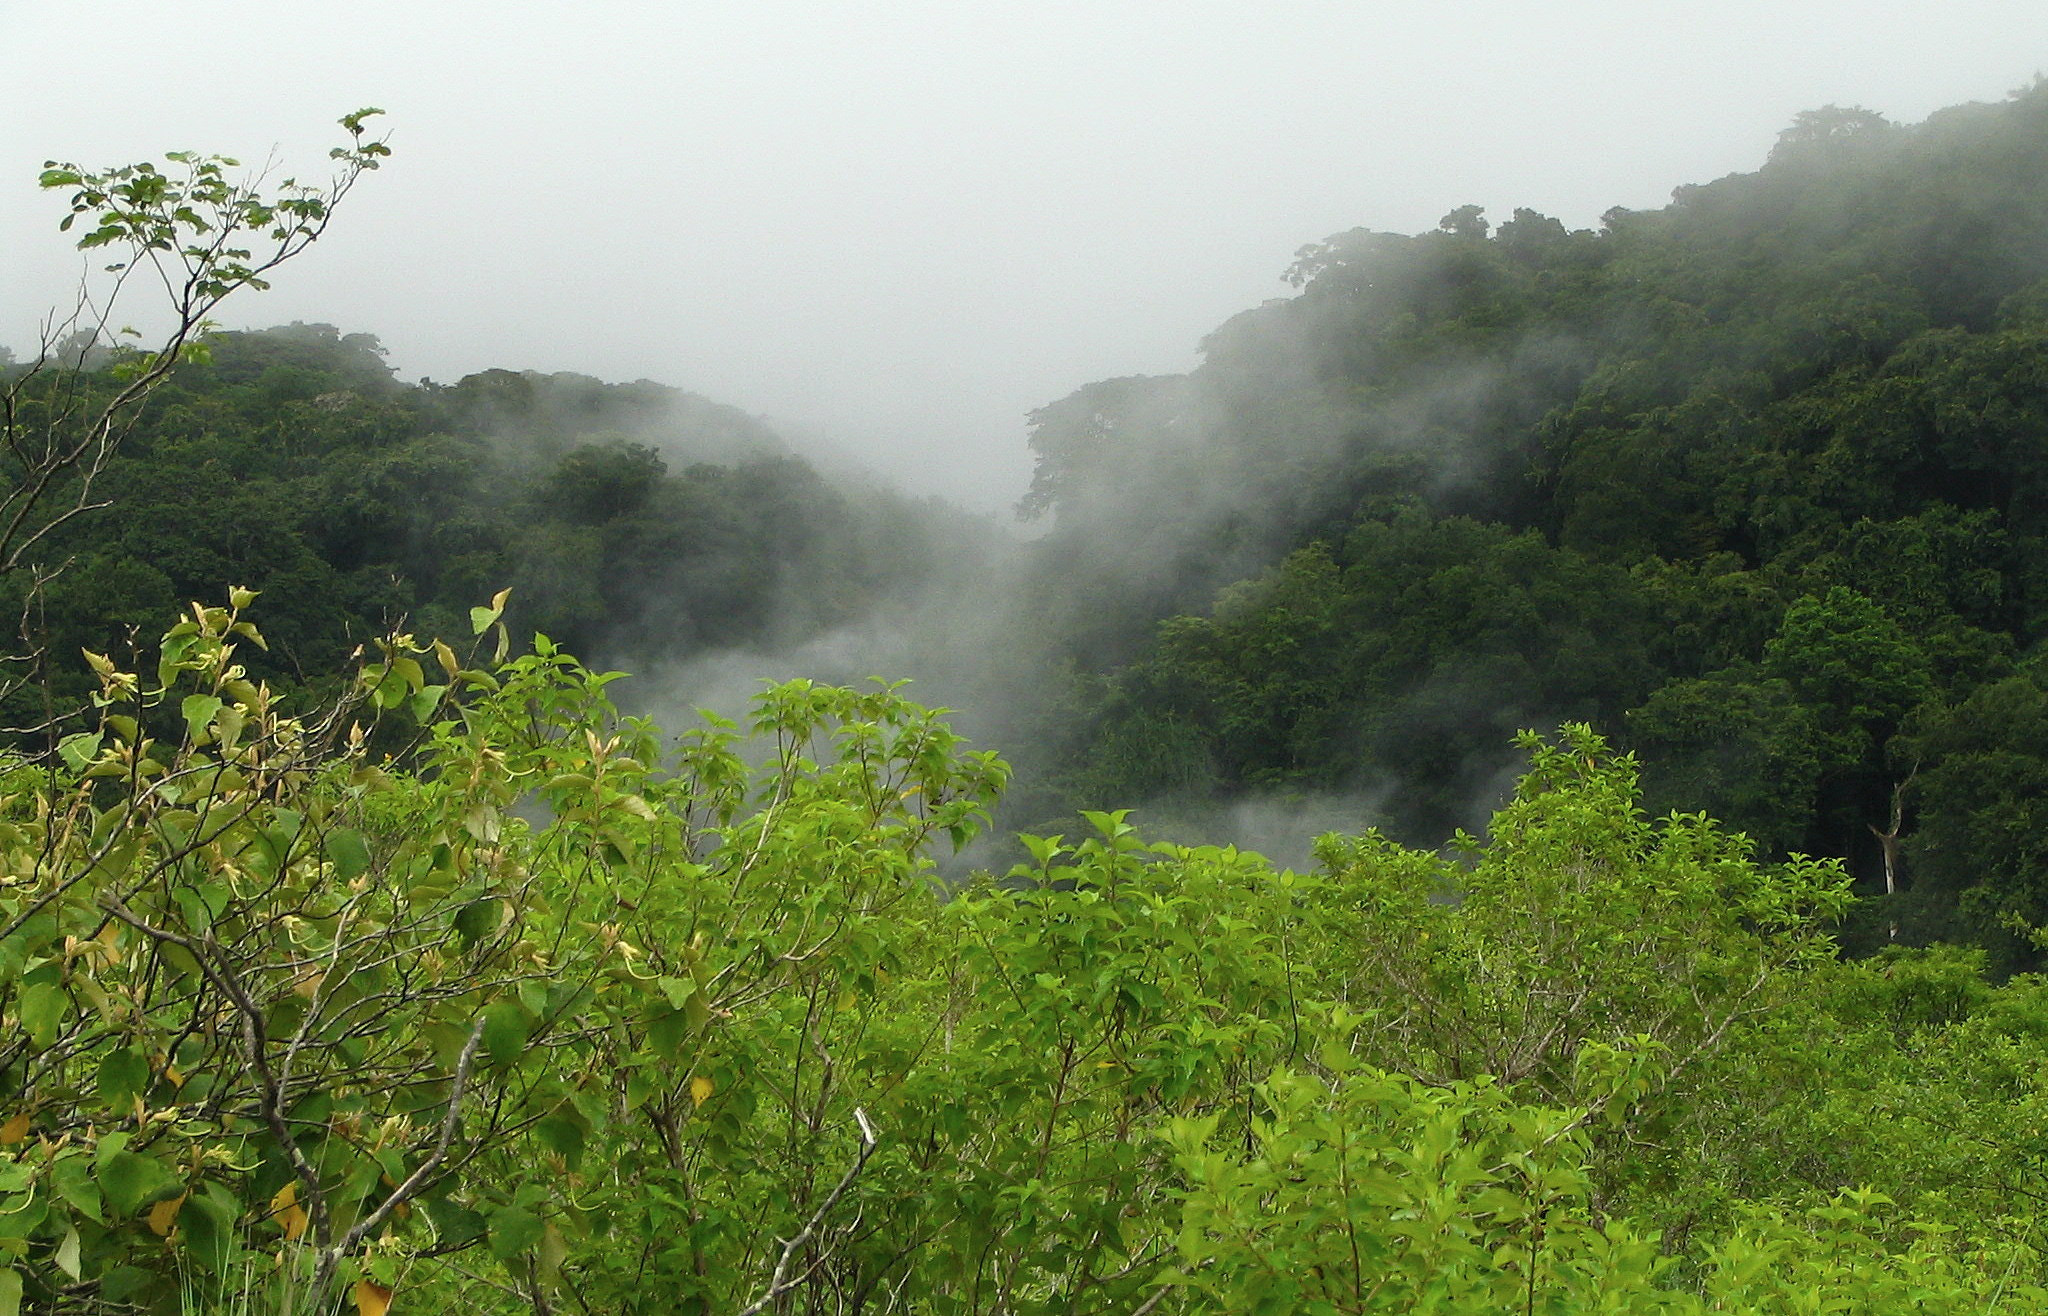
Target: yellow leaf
[(286, 1212), (701, 1089), (372, 1298), (14, 1130), (165, 1213)]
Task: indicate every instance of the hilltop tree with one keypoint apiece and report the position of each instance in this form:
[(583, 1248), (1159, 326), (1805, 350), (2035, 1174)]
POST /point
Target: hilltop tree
[(190, 229)]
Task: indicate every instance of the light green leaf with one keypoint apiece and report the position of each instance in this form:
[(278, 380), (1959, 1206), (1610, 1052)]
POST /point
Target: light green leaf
[(505, 1032), (80, 750), (349, 853), (423, 704), (71, 1176), (512, 1232), (554, 1250), (67, 1253), (199, 711), (133, 1181), (43, 1008)]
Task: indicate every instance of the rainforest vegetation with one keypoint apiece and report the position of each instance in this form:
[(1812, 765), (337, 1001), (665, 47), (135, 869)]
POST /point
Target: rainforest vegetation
[(629, 517), (1756, 483), (358, 954)]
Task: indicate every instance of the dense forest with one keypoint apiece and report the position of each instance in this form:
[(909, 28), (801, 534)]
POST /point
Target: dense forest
[(358, 953), (631, 519), (1756, 483)]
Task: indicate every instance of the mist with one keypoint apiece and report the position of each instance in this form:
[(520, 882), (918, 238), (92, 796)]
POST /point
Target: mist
[(887, 274), (903, 226)]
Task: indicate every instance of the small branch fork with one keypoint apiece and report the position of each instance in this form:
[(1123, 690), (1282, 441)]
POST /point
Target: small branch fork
[(782, 1281)]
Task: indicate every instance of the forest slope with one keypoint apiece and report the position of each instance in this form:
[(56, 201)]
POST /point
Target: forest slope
[(629, 520), (1757, 482)]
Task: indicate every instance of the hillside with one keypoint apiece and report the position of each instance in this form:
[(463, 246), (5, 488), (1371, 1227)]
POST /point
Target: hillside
[(1754, 482), (349, 968), (633, 521)]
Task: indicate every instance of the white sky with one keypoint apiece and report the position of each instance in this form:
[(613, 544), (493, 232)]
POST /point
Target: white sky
[(899, 225)]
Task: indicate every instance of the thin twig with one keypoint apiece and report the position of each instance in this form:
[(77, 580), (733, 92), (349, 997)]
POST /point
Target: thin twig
[(434, 1158), (780, 1282), (1151, 1302)]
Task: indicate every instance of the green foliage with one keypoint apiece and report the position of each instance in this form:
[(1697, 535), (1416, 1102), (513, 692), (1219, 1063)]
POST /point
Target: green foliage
[(1978, 851), (195, 215), (457, 986), (641, 521), (262, 987), (546, 1013), (1352, 667), (1378, 1194), (1850, 663), (1735, 744), (1752, 480), (1578, 921), (185, 226)]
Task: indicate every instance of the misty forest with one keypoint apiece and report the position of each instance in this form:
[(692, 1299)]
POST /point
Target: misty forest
[(1520, 784)]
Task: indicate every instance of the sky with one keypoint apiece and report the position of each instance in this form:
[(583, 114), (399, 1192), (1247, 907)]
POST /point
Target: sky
[(893, 227)]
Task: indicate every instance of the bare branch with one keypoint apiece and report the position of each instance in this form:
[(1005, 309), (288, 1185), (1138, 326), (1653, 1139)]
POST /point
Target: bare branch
[(426, 1168), (781, 1282)]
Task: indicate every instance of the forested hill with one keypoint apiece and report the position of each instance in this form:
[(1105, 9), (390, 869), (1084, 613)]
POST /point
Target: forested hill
[(1758, 482), (633, 522), (434, 979)]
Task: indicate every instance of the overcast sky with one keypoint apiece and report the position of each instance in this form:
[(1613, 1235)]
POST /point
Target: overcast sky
[(899, 225)]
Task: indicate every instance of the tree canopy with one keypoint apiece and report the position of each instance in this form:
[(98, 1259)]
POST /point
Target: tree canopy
[(1749, 481)]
